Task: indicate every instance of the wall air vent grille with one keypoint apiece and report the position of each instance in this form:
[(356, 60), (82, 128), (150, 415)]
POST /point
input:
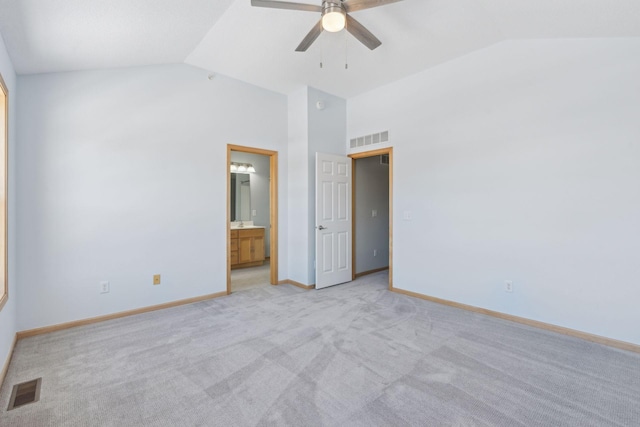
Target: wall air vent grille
[(374, 138)]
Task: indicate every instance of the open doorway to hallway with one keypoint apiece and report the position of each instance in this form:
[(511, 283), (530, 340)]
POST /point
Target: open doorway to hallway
[(373, 212), (252, 229)]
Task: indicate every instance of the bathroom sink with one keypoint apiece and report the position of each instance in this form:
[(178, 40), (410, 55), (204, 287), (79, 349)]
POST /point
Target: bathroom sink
[(246, 227), (237, 225)]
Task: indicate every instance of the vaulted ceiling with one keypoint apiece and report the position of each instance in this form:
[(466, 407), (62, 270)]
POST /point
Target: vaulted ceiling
[(257, 45)]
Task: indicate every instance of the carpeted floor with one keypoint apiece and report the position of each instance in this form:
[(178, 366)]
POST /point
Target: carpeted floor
[(354, 354), (250, 278)]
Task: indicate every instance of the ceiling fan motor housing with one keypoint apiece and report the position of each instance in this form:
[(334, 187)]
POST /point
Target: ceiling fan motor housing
[(334, 16)]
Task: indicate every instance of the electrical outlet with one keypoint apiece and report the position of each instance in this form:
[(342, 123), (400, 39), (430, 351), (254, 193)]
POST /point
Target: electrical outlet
[(254, 212), (407, 215), (374, 213), (156, 279), (104, 287), (375, 252), (508, 286)]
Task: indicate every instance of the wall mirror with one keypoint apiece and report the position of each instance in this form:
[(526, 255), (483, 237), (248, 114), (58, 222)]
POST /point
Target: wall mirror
[(240, 197)]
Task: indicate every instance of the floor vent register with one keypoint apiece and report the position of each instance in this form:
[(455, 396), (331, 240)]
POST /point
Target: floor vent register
[(25, 393)]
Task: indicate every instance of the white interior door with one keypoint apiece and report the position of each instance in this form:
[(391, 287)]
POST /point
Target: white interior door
[(333, 220)]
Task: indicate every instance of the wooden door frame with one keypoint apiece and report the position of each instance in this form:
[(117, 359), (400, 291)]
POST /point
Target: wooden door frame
[(364, 155), (273, 209)]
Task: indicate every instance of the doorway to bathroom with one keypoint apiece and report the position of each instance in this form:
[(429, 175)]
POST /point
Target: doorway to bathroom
[(252, 218)]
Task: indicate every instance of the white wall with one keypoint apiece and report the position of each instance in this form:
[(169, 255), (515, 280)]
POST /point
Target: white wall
[(310, 130), (520, 162), (327, 134), (122, 175), (371, 233), (298, 186), (8, 314), (259, 192)]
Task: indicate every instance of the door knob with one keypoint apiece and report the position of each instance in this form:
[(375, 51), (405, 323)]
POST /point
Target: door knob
[(321, 227)]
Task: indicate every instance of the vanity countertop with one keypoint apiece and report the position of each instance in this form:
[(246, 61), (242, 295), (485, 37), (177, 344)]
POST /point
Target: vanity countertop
[(246, 227)]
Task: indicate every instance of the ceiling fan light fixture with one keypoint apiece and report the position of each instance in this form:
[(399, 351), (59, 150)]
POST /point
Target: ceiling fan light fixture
[(334, 18)]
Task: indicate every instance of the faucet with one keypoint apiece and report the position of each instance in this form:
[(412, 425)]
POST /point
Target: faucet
[(241, 224)]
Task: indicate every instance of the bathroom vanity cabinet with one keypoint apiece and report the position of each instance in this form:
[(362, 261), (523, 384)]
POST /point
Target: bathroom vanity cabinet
[(247, 247)]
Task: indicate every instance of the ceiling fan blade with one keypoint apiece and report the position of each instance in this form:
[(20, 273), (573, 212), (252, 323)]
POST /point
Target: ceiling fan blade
[(286, 5), (355, 5), (361, 33), (310, 38)]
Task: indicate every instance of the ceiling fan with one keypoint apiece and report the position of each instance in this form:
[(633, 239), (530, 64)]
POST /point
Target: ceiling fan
[(335, 17)]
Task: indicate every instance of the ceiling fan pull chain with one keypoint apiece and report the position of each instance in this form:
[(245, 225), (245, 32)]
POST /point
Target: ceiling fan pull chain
[(346, 50), (321, 54)]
